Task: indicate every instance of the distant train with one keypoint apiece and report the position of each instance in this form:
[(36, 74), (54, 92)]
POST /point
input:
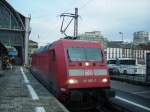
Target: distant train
[(73, 69)]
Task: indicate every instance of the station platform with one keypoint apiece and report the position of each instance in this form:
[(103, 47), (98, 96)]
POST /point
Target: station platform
[(136, 95), (143, 91), (21, 92)]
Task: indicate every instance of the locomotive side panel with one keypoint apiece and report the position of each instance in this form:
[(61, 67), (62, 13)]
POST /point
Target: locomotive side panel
[(61, 72), (46, 65), (53, 70)]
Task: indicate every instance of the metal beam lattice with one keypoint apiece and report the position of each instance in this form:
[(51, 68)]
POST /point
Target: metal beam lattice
[(73, 17)]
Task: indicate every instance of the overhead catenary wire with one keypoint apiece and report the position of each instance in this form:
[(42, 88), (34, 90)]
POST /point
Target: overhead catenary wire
[(85, 4), (79, 7)]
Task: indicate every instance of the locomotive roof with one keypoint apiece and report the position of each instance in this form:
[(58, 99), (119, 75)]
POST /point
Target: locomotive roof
[(67, 40), (45, 48)]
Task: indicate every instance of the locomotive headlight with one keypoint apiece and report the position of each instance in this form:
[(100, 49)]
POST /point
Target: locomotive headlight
[(104, 80), (87, 64), (72, 81)]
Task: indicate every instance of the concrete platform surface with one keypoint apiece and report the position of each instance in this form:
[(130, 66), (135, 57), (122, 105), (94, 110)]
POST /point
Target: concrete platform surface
[(143, 91), (137, 96), (21, 92)]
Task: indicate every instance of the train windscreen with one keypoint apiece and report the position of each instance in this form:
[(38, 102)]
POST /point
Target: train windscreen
[(85, 54)]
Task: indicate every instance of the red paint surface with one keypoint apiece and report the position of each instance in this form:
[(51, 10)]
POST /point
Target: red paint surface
[(57, 70)]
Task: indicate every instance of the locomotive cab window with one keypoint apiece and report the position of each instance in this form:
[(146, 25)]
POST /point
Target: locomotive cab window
[(85, 54)]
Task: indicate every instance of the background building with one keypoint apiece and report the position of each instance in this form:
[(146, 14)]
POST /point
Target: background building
[(14, 30), (94, 35), (119, 49), (140, 37), (33, 46)]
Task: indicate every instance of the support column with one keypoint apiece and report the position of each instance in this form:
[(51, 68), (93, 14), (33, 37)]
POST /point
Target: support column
[(27, 33)]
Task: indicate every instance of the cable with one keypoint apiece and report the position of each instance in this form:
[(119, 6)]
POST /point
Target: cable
[(86, 3), (70, 7), (45, 15)]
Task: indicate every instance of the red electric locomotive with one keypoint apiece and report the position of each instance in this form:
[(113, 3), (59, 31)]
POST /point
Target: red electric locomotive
[(73, 69)]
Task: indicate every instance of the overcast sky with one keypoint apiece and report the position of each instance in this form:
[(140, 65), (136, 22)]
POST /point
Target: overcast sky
[(108, 16)]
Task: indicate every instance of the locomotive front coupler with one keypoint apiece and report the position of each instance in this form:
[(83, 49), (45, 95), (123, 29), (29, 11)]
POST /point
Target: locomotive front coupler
[(105, 95)]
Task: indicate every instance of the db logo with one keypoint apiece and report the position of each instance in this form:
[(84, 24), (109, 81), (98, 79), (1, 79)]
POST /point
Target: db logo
[(88, 72)]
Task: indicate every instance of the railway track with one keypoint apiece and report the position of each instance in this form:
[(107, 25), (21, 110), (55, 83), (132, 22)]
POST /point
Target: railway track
[(112, 106), (116, 106)]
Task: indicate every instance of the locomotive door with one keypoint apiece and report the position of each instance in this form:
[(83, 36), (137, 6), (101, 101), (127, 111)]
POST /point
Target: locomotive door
[(52, 64), (53, 69)]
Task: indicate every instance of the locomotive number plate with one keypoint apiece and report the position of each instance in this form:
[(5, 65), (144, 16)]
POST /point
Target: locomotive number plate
[(89, 80), (88, 72)]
